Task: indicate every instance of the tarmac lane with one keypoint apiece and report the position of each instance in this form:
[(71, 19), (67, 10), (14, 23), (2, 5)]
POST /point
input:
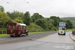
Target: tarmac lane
[(58, 38), (50, 42), (24, 38)]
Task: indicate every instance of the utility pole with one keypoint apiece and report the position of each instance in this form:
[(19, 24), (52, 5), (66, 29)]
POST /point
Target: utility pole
[(34, 23), (46, 24), (57, 24)]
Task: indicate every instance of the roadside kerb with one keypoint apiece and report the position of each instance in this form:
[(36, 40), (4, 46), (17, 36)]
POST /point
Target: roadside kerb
[(72, 37)]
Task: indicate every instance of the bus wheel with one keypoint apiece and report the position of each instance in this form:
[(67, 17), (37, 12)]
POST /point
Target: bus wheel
[(58, 34), (11, 36), (26, 33), (20, 34), (64, 34)]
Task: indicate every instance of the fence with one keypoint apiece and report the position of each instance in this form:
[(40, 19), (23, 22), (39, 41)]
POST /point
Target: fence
[(3, 32)]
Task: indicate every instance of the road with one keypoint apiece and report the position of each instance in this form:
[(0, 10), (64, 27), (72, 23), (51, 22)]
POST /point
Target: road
[(9, 39), (50, 42)]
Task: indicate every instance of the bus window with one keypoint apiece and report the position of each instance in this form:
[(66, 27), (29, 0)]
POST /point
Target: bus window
[(23, 27), (19, 27), (9, 26), (12, 26)]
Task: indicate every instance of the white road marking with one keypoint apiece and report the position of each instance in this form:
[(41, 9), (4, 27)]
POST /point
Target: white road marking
[(64, 47)]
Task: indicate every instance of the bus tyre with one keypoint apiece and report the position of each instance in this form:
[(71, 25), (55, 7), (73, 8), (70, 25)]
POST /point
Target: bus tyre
[(26, 33), (58, 34), (20, 34), (11, 36), (64, 34)]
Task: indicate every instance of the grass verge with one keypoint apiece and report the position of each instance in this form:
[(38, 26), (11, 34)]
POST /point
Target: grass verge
[(41, 32), (3, 35), (69, 29)]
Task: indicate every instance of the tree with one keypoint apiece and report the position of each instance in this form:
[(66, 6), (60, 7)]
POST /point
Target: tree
[(41, 22), (61, 20), (1, 8), (3, 18), (56, 20), (19, 20), (26, 18), (15, 14), (36, 16), (50, 24), (69, 25)]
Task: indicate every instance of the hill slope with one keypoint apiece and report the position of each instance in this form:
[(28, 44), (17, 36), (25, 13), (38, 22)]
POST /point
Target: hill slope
[(72, 19)]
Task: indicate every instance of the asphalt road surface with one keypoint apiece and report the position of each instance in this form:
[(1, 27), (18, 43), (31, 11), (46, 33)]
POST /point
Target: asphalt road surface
[(50, 42), (24, 38)]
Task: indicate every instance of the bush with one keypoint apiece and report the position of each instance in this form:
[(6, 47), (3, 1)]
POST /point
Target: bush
[(54, 28), (31, 28), (41, 22)]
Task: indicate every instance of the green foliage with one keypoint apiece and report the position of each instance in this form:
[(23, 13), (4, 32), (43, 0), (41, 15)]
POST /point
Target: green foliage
[(31, 28), (54, 28), (72, 19), (56, 20), (9, 21), (50, 24), (73, 26), (19, 20), (69, 24), (4, 29), (41, 22), (26, 18), (61, 20), (15, 14), (36, 16), (3, 18), (1, 8)]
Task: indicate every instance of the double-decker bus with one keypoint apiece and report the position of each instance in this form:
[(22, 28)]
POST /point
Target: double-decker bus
[(62, 28), (18, 29)]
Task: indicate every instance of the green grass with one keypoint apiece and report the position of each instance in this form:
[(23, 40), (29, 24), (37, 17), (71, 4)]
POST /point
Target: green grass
[(41, 32), (69, 29), (3, 35)]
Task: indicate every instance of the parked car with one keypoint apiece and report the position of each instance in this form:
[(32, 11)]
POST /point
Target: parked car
[(73, 32)]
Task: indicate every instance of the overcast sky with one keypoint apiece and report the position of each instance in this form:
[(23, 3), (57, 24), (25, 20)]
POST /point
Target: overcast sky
[(47, 8)]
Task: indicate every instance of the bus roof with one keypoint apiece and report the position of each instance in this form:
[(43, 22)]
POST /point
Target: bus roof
[(17, 23), (23, 24)]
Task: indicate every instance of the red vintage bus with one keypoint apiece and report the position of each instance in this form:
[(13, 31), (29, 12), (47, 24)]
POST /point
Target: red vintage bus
[(18, 29)]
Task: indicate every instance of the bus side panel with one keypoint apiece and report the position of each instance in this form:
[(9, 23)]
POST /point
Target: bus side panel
[(23, 31), (11, 31)]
